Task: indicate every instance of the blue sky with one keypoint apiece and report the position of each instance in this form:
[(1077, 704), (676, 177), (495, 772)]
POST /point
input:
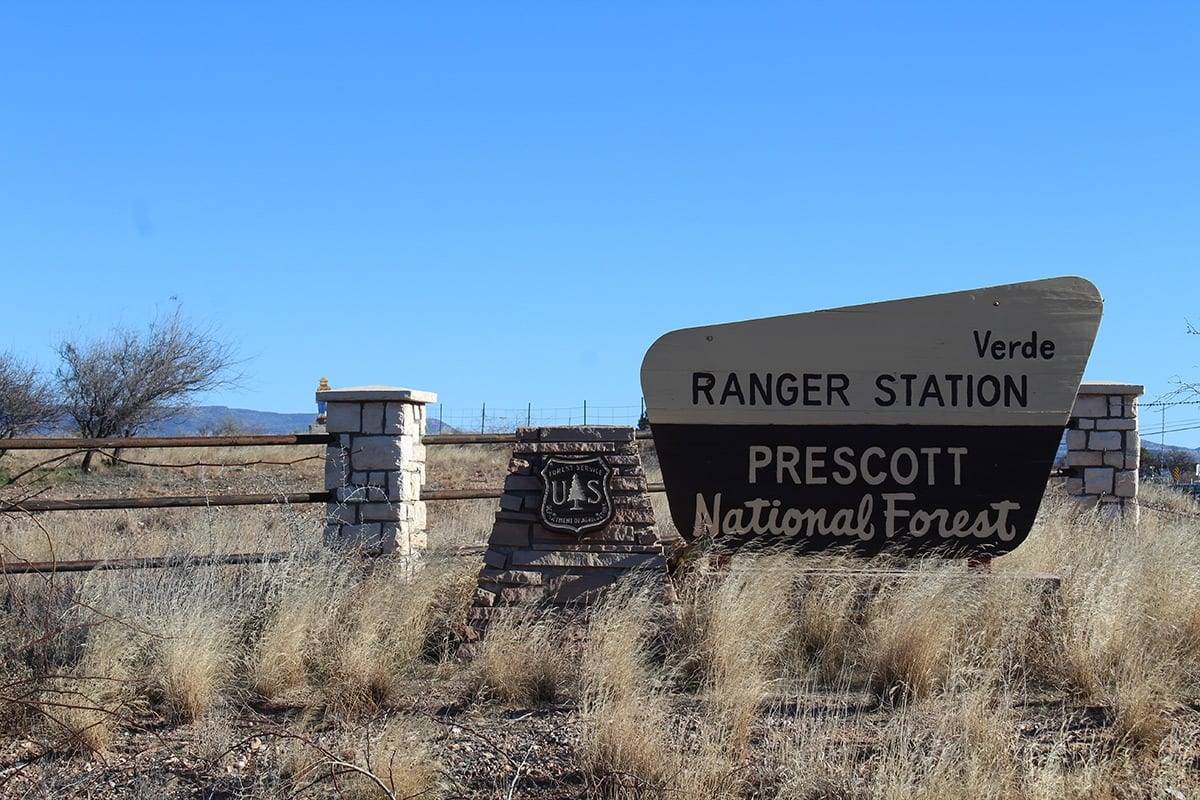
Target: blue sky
[(534, 193)]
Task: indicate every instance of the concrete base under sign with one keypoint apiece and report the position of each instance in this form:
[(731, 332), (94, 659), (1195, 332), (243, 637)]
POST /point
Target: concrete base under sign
[(528, 564)]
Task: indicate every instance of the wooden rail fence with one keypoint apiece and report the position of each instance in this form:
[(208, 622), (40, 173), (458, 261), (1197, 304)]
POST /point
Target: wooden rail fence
[(34, 505)]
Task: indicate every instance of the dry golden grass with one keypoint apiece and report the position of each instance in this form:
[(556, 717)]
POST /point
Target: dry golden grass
[(524, 660), (765, 680)]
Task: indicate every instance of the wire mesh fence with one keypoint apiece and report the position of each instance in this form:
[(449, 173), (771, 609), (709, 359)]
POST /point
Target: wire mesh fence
[(491, 419)]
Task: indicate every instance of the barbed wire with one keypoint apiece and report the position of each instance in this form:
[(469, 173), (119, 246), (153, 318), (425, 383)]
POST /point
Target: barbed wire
[(1167, 403), (1172, 511)]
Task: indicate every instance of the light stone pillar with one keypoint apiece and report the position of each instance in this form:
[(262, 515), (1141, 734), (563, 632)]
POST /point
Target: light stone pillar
[(1103, 447), (376, 469)]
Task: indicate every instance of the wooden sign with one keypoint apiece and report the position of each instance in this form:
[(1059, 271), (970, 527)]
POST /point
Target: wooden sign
[(919, 426)]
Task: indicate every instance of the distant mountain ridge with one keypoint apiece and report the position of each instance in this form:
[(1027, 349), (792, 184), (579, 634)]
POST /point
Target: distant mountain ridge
[(1153, 447), (208, 420)]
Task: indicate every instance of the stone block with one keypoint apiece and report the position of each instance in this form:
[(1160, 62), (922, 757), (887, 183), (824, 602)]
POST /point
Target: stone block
[(1074, 486), (485, 598), (1133, 443), (1121, 424), (543, 535), (518, 577), (351, 494), (626, 484), (1131, 462), (495, 559), (1114, 458), (638, 501), (377, 452), (418, 540), (371, 512), (517, 516), (1116, 406), (589, 433), (1088, 405), (583, 588), (1084, 424), (340, 514), (565, 448), (511, 502), (510, 596), (1098, 480), (1077, 440), (1125, 483), (522, 483), (360, 478), (394, 539), (510, 534), (1104, 440), (372, 418), (550, 558), (343, 417), (337, 467), (366, 536), (396, 486), (640, 516), (394, 418)]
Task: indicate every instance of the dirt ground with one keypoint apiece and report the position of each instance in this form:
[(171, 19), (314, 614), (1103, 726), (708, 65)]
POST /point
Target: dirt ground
[(323, 678)]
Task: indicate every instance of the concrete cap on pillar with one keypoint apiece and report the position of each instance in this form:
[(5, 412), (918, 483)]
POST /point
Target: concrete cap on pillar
[(393, 394), (1112, 388)]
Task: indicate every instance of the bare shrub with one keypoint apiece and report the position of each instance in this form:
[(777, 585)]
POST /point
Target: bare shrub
[(118, 385), (27, 400), (81, 714), (393, 764), (398, 764)]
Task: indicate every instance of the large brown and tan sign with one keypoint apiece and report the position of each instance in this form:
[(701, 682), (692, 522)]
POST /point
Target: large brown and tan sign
[(926, 425)]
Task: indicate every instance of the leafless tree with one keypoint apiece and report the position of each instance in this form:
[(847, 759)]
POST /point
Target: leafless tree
[(26, 398), (118, 385)]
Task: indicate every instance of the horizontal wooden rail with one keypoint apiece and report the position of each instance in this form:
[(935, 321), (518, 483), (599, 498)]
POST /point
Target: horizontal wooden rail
[(489, 494), (89, 564), (190, 501), (136, 442), (207, 560)]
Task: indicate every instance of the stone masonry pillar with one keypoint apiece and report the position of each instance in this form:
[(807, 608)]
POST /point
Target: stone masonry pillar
[(1103, 447), (376, 469)]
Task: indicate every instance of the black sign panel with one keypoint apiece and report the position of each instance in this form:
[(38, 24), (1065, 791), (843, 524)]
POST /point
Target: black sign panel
[(918, 426), (576, 496)]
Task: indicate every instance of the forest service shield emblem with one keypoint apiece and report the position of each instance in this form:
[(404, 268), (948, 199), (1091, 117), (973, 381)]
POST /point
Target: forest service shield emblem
[(575, 498)]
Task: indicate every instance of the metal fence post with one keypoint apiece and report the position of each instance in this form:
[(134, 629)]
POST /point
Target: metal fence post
[(482, 417), (585, 412)]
